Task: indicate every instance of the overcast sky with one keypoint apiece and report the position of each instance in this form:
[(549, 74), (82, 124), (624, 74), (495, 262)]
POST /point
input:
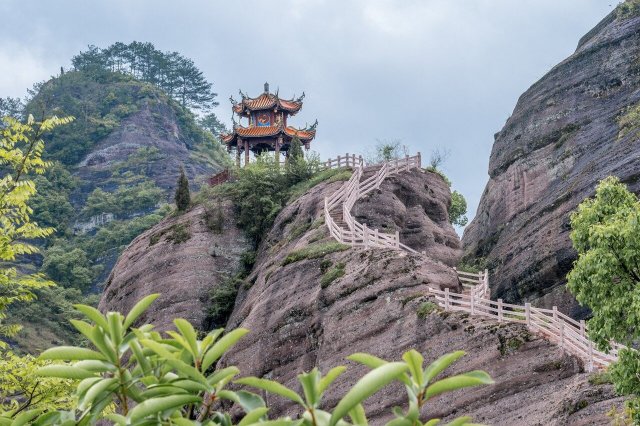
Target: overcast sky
[(433, 73)]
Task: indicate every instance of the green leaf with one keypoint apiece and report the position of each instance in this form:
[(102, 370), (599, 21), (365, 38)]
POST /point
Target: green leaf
[(221, 347), (369, 384), (309, 382), (432, 422), (116, 419), (64, 372), (473, 378), (222, 375), (187, 331), (26, 418), (460, 421), (441, 364), (71, 353), (115, 328), (94, 315), (370, 361), (253, 416), (95, 391), (139, 309), (331, 376), (414, 360), (358, 416), (400, 422), (157, 405), (271, 386)]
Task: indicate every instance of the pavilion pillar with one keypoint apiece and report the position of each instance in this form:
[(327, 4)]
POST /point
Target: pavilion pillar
[(246, 153), (278, 145)]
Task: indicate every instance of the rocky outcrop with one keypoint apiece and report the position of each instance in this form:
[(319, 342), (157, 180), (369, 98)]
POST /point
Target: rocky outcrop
[(154, 126), (311, 302), (183, 259), (566, 133)]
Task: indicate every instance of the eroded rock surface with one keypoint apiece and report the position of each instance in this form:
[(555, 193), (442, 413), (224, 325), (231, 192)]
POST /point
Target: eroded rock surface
[(181, 258), (562, 138), (298, 320)]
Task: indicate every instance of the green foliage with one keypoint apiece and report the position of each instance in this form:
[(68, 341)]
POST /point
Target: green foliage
[(142, 196), (222, 300), (11, 107), (213, 124), (179, 233), (45, 321), (21, 150), (260, 191), (600, 378), (170, 380), (173, 73), (628, 9), (629, 121), (71, 268), (314, 251), (51, 206), (458, 209), (425, 309), (332, 274), (386, 150), (214, 217), (183, 197), (606, 276), (296, 168), (21, 389)]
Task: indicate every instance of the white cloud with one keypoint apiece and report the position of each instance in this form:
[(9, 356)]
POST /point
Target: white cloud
[(21, 68)]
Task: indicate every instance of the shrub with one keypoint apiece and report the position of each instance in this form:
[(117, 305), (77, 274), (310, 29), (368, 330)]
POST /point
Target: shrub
[(628, 9), (425, 309), (332, 275), (183, 197), (221, 301), (314, 251), (214, 218), (179, 233), (135, 376)]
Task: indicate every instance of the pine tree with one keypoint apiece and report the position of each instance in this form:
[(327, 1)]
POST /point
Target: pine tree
[(183, 197)]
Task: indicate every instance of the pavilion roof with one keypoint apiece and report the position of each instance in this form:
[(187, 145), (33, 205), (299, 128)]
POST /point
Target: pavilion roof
[(305, 134), (266, 101)]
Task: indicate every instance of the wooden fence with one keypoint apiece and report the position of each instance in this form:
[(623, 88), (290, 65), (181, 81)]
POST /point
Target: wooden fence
[(557, 327), (569, 334), (356, 233)]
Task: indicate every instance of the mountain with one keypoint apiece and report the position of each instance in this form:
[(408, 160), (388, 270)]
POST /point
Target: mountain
[(574, 127), (309, 301), (114, 172)]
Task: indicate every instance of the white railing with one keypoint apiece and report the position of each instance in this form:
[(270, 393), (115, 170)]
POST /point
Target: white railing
[(475, 283), (356, 233), (348, 160), (557, 327)]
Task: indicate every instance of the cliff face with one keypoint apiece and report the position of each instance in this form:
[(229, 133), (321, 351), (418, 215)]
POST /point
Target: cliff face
[(183, 259), (568, 131), (300, 319)]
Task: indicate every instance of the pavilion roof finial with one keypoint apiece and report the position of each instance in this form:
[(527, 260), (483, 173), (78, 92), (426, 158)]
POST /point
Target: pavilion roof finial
[(266, 87)]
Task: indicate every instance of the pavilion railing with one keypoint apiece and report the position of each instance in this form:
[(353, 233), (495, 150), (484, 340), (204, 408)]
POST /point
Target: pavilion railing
[(348, 160)]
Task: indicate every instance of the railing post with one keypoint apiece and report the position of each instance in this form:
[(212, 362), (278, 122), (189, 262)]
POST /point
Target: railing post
[(582, 328), (353, 162), (562, 334), (419, 160), (446, 299), (473, 299), (590, 356), (338, 161), (406, 159), (397, 239), (365, 237), (527, 313), (375, 235), (500, 313)]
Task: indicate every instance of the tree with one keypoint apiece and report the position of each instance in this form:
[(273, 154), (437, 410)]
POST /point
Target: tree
[(296, 168), (173, 380), (438, 157), (11, 107), (606, 276), (458, 209), (386, 150), (21, 149), (183, 197), (213, 124)]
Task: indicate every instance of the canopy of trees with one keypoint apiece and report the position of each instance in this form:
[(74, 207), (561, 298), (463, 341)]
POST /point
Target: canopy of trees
[(176, 75)]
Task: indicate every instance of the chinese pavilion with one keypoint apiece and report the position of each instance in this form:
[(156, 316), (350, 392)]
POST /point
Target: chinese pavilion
[(267, 128)]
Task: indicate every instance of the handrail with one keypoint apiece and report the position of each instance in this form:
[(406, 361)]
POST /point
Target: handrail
[(555, 326)]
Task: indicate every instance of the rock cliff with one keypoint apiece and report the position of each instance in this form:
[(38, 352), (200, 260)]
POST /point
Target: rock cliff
[(183, 259), (571, 129)]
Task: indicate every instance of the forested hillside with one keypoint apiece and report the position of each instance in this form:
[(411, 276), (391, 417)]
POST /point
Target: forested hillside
[(114, 170)]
